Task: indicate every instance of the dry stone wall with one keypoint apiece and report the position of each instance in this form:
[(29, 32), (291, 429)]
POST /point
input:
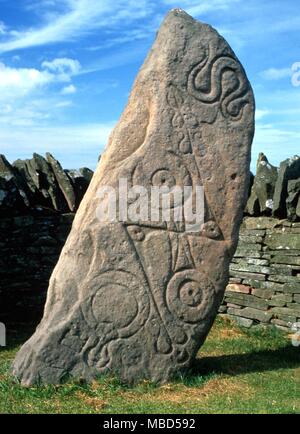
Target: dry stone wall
[(30, 246), (38, 200), (264, 284)]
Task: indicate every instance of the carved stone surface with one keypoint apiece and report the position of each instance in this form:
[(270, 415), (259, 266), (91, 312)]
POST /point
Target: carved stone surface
[(138, 300)]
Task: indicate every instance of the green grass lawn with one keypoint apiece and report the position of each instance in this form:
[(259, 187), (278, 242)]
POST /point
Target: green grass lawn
[(238, 371)]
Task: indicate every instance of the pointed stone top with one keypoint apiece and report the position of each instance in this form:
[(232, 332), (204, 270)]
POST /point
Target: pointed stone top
[(178, 13), (5, 166)]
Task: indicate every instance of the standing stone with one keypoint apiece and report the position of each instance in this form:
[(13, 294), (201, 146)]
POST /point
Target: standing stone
[(87, 174), (45, 181), (138, 298), (261, 198), (63, 181), (13, 191), (80, 180), (289, 169), (22, 167), (251, 182), (298, 208), (293, 198), (42, 182)]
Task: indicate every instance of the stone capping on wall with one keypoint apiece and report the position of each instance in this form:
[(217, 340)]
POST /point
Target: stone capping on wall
[(264, 285), (275, 190), (40, 184)]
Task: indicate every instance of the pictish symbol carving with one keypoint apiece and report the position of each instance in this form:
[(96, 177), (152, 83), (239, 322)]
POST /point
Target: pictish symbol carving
[(219, 78), (102, 309), (170, 172), (175, 101), (211, 230), (189, 295)]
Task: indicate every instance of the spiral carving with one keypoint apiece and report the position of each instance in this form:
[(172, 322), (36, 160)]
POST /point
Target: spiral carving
[(220, 78)]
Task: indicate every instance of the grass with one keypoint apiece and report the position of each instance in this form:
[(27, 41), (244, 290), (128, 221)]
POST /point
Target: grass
[(238, 371)]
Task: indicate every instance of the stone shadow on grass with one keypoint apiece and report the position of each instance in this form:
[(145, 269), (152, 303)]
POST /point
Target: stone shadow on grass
[(286, 357)]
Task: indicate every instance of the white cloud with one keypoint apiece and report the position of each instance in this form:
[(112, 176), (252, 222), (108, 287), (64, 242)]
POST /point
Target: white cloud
[(68, 90), (278, 143), (80, 14), (3, 28), (81, 17), (6, 109), (276, 73), (74, 145), (63, 104), (123, 38), (116, 59), (290, 23), (259, 114), (63, 67), (26, 98), (18, 82), (27, 112)]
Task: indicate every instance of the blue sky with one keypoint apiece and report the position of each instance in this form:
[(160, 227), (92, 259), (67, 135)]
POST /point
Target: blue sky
[(67, 67)]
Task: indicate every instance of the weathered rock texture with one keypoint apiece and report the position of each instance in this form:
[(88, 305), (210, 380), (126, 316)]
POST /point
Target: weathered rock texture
[(139, 300)]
